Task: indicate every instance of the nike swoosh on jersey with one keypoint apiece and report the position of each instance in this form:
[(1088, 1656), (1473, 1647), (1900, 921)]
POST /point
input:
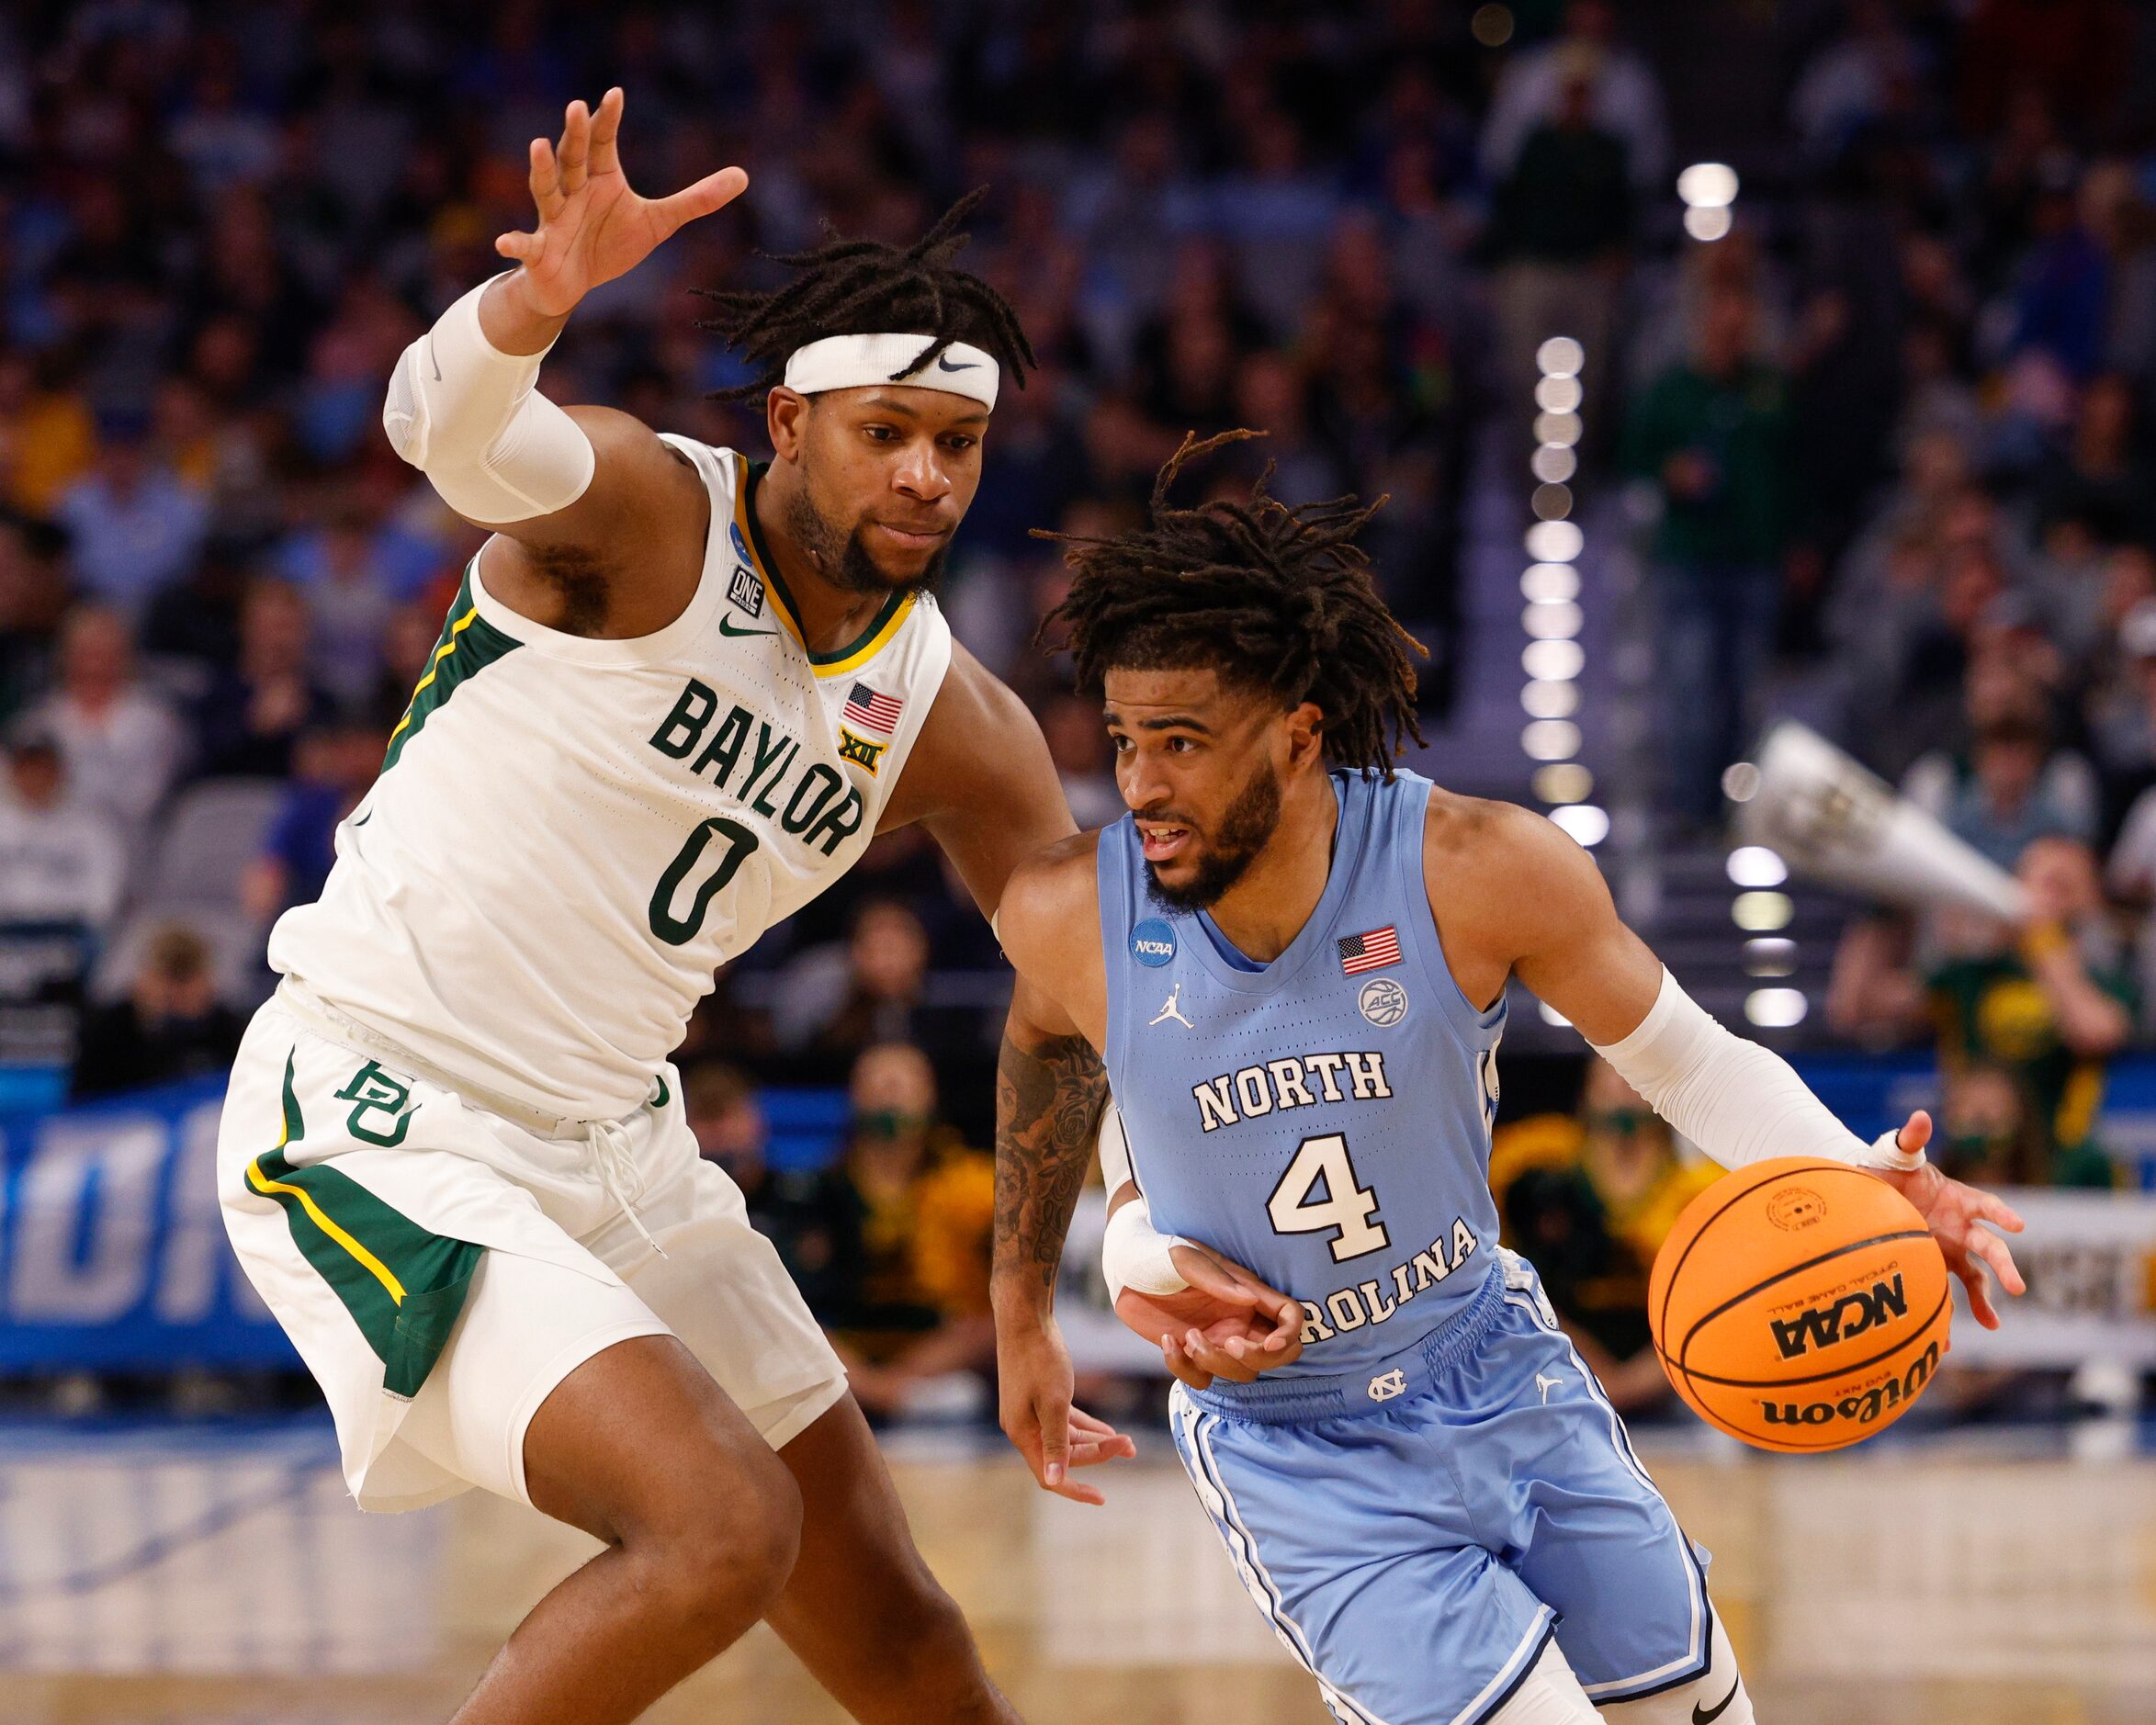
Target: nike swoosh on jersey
[(726, 626), (1703, 1716), (944, 364)]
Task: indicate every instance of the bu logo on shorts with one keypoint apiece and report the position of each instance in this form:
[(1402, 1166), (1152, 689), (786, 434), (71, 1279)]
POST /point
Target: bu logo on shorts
[(1387, 1384)]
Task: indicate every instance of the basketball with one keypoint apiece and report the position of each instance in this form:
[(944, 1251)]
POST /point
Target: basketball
[(1800, 1305)]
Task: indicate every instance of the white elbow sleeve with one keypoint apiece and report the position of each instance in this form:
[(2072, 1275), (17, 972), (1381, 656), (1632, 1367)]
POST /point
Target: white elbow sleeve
[(1739, 1103), (1132, 1254), (471, 419)]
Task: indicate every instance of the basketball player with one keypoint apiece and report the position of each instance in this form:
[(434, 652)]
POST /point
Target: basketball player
[(1291, 963), (678, 695)]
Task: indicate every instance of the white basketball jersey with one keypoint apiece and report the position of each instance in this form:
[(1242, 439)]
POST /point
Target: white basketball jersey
[(569, 836)]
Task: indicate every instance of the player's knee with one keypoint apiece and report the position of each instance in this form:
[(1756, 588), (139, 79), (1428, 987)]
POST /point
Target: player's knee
[(719, 1557), (1717, 1694), (926, 1636), (1548, 1695)]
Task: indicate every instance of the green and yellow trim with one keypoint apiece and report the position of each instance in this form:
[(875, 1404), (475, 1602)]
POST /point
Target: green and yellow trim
[(865, 646), (402, 1285), (467, 645)]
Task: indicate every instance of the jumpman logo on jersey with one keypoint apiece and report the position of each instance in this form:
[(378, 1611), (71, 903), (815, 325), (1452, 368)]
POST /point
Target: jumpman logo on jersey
[(1171, 1010), (1545, 1385)]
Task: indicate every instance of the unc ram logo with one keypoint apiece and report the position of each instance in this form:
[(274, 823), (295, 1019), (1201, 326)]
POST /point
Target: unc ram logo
[(1839, 1320)]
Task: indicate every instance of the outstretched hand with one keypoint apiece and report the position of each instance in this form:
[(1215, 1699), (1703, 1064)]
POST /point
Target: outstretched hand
[(1955, 1213), (1033, 1384), (593, 228), (1226, 1324)]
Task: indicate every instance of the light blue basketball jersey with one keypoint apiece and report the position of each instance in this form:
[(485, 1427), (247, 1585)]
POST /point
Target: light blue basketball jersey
[(1324, 1119)]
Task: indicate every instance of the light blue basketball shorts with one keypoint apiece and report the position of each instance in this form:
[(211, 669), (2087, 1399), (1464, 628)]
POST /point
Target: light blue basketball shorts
[(1415, 1552)]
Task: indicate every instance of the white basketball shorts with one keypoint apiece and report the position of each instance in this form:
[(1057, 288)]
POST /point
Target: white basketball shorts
[(441, 1270)]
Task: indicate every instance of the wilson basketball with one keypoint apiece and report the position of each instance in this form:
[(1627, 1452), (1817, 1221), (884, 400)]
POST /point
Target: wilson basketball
[(1800, 1305)]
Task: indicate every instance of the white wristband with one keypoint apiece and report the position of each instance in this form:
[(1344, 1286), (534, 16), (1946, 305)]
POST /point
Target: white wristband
[(471, 419), (1133, 1256)]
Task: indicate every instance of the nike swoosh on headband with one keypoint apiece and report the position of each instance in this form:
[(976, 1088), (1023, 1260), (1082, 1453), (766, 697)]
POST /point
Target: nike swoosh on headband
[(944, 364)]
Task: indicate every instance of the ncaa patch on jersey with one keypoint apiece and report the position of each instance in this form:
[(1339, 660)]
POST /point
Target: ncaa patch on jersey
[(1153, 943), (1383, 1002), (860, 750), (744, 589)]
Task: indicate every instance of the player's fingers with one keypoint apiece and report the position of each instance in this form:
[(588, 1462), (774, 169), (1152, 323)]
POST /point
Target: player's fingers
[(1217, 1360), (714, 191), (1287, 1325), (1103, 1439), (1916, 1132), (1054, 1416), (1078, 1493), (1181, 1369), (1994, 1252), (1980, 1293), (605, 129), (520, 247), (545, 179), (1992, 1208), (576, 147)]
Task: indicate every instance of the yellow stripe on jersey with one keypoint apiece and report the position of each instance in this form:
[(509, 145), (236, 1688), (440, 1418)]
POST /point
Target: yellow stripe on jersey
[(435, 669)]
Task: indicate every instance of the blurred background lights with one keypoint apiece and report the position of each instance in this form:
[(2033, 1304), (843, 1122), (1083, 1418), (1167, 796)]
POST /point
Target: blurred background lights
[(1554, 463), (1707, 224), (1564, 781), (1770, 956), (1587, 823), (1774, 1008), (1557, 428), (1558, 395), (1756, 865), (1553, 662), (1552, 622), (1549, 584), (1491, 26), (1708, 185), (1560, 356), (1761, 913), (1551, 700), (1740, 782), (1551, 503), (1554, 541), (1551, 739)]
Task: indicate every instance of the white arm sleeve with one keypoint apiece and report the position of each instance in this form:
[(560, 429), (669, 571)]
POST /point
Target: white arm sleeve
[(470, 417), (1739, 1103), (1132, 1254)]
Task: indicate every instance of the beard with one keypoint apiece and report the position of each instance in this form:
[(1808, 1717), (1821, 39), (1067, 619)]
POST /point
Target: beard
[(842, 558), (1250, 823)]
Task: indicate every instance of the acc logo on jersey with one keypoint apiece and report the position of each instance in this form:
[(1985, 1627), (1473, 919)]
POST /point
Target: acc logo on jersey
[(860, 749), (1384, 1001), (744, 589), (1153, 943)]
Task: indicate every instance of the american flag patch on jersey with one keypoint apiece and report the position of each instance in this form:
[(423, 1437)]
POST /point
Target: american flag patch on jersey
[(871, 711), (1373, 951)]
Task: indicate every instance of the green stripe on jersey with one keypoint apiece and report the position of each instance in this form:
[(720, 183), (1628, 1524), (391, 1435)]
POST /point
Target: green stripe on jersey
[(402, 1285), (466, 646)]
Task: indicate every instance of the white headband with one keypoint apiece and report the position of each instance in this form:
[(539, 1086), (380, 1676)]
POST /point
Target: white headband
[(849, 362)]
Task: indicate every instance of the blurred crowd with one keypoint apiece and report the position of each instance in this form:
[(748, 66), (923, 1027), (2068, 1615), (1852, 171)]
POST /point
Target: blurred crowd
[(1884, 443)]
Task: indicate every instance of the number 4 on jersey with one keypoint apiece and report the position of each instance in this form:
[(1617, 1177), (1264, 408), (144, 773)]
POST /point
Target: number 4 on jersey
[(1347, 1206)]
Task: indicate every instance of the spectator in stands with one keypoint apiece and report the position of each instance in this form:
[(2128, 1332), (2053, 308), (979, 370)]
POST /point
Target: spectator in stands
[(333, 769), (133, 525), (122, 745), (1986, 1135), (907, 1294), (256, 714), (171, 1026), (837, 1001), (33, 600), (1709, 436), (47, 438), (1590, 1198), (2013, 784), (1078, 743), (2051, 1003), (61, 861)]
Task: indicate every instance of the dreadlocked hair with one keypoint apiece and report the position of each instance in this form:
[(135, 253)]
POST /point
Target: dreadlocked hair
[(1271, 597), (868, 288)]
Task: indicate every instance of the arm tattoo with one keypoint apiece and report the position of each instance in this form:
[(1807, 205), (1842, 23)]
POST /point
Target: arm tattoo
[(1048, 1105)]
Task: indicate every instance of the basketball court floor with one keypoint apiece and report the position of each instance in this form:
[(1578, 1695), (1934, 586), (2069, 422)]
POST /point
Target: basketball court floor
[(161, 1577)]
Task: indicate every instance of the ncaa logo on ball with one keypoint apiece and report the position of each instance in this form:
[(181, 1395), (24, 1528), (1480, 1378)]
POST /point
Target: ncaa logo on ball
[(1384, 1001), (1797, 1208), (1153, 943)]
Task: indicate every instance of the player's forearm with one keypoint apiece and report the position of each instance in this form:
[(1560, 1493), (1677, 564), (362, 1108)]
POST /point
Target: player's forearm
[(464, 408), (1738, 1102), (1049, 1094)]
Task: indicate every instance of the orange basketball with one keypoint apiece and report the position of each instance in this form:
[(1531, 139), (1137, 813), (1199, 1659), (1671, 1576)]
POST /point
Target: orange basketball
[(1800, 1305)]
